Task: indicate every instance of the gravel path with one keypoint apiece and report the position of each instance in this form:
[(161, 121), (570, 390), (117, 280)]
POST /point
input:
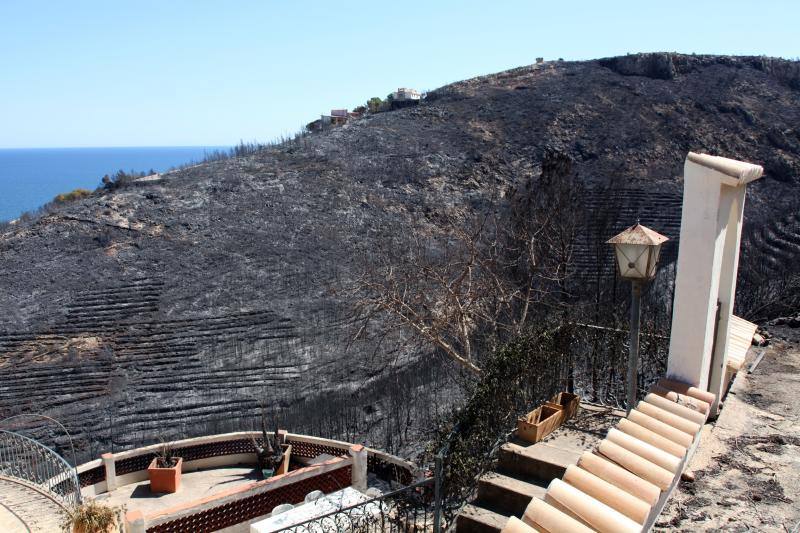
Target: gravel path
[(747, 464)]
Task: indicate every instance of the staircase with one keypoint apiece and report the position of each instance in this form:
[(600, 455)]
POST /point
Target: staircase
[(616, 485), (523, 472)]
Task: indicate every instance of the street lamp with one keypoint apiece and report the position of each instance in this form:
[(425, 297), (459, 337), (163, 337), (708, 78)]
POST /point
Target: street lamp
[(637, 249)]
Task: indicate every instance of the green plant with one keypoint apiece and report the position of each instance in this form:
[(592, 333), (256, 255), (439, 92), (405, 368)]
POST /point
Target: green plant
[(165, 457), (90, 517), (77, 194), (374, 104), (122, 178), (518, 375), (270, 455)]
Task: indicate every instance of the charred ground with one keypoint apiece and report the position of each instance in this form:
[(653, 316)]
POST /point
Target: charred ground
[(175, 306)]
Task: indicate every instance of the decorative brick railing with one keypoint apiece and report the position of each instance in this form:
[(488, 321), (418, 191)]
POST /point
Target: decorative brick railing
[(133, 461), (191, 452), (244, 504), (385, 466), (91, 475)]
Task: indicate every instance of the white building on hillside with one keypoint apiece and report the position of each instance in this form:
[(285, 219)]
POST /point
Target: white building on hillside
[(404, 93)]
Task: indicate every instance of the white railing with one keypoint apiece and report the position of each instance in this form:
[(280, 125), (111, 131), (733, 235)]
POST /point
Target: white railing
[(33, 463)]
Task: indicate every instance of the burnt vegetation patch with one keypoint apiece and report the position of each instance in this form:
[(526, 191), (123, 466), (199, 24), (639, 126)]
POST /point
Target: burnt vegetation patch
[(229, 284)]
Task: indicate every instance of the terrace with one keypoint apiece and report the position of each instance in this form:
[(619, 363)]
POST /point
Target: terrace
[(220, 487)]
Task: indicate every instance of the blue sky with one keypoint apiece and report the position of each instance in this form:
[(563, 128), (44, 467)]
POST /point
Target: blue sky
[(167, 73)]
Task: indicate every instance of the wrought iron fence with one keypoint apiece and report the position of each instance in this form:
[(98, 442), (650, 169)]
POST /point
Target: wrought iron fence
[(409, 509), (600, 355), (26, 460)]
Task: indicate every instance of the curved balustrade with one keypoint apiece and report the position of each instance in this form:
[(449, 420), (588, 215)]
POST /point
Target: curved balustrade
[(214, 451), (33, 463)]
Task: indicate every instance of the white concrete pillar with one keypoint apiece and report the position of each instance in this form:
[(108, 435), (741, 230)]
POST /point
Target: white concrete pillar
[(359, 473), (697, 280), (708, 255), (734, 197), (111, 471)]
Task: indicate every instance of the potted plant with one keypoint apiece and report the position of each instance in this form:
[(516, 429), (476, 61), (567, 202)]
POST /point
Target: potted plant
[(272, 456), (164, 471), (91, 517)]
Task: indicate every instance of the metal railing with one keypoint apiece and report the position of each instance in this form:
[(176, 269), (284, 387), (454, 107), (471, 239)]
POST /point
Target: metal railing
[(33, 463), (409, 509)]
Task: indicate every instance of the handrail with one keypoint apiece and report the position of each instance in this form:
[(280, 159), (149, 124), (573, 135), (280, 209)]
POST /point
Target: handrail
[(32, 462), (51, 419)]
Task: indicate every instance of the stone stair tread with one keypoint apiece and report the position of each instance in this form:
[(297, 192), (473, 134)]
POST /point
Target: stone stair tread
[(546, 453), (541, 462), (506, 494), (475, 519), (513, 484)]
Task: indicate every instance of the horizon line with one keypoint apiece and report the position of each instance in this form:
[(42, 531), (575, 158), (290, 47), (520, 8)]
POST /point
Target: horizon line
[(118, 146)]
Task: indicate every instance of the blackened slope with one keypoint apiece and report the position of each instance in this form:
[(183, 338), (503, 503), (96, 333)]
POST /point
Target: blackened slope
[(170, 307)]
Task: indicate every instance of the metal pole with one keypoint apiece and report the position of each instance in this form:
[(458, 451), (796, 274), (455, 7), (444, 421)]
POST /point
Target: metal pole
[(437, 516), (633, 355)]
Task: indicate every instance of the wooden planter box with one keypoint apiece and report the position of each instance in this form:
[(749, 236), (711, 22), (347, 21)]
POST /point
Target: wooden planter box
[(540, 422), (164, 479), (284, 466), (568, 401), (287, 455)]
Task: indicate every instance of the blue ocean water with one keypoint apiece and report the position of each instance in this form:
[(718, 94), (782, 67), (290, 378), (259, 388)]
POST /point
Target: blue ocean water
[(31, 177)]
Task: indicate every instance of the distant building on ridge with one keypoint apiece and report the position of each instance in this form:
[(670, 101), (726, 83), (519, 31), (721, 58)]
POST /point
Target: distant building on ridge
[(405, 97)]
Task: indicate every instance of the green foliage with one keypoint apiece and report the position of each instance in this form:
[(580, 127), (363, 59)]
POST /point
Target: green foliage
[(374, 104), (165, 456), (519, 375), (90, 517), (71, 196)]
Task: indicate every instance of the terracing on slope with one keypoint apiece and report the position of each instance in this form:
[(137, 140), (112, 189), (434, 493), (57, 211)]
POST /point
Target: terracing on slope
[(187, 300)]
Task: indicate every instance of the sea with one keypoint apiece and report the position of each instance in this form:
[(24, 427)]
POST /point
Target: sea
[(31, 177)]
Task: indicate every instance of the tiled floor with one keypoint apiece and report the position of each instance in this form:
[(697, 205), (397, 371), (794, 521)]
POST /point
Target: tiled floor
[(24, 509), (194, 485)]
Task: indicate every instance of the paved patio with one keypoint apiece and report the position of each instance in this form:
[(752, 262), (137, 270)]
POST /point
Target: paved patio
[(25, 509), (194, 485)]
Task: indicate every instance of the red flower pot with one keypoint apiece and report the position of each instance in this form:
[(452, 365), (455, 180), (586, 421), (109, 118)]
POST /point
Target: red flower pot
[(164, 479)]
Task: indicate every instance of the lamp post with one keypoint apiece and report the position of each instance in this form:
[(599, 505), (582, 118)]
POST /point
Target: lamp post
[(637, 249)]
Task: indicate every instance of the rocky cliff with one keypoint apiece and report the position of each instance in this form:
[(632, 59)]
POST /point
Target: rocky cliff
[(174, 306)]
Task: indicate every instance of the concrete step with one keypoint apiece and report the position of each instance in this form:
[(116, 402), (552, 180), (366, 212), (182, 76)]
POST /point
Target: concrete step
[(474, 519), (506, 494), (540, 461)]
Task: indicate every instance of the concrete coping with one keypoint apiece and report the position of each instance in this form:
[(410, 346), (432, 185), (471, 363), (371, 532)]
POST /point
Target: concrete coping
[(348, 449), (223, 437), (88, 466), (741, 171)]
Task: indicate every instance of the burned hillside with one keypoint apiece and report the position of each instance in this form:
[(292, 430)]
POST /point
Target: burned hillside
[(178, 305)]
